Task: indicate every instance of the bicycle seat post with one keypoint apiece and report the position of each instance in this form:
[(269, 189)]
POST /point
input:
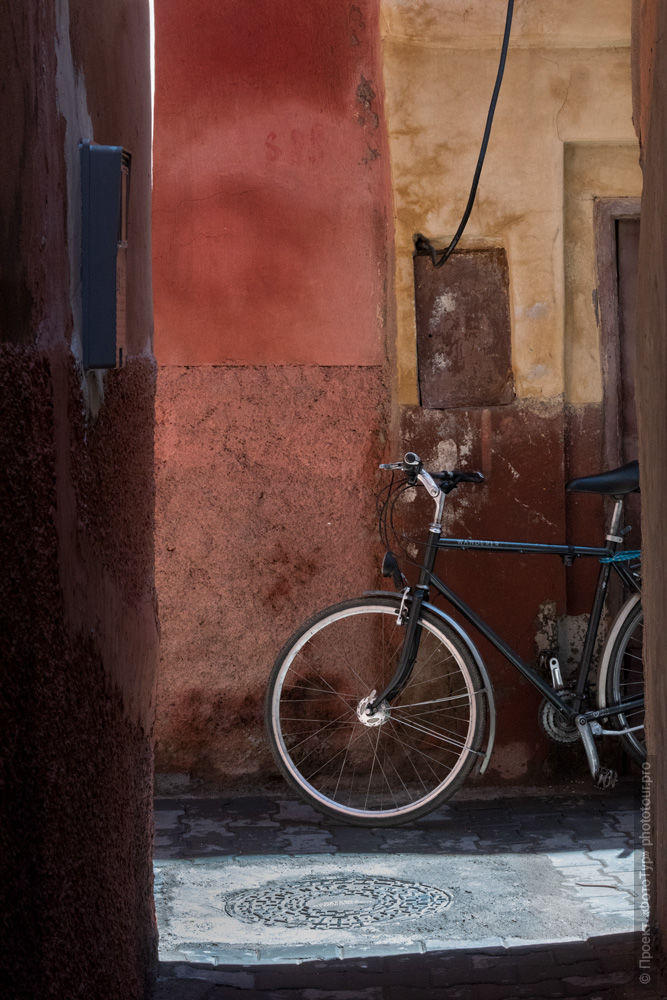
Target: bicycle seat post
[(614, 527), (613, 541)]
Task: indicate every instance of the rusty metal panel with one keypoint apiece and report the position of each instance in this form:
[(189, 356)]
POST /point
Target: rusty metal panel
[(463, 330)]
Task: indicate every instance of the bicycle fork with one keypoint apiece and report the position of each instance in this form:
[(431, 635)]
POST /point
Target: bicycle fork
[(409, 650), (419, 594)]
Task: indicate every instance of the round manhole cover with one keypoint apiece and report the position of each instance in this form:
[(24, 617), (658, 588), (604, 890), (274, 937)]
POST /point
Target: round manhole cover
[(336, 901)]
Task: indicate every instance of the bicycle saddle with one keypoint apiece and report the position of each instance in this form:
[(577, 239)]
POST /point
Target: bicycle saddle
[(617, 482)]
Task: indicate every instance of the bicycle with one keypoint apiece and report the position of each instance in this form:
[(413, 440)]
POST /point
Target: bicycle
[(378, 708)]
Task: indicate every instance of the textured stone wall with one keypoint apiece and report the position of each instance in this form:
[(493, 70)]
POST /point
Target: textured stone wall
[(77, 602)]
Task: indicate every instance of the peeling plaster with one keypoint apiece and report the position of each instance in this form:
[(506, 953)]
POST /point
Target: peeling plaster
[(564, 634), (546, 637), (440, 360), (445, 303), (537, 310), (447, 455), (365, 96)]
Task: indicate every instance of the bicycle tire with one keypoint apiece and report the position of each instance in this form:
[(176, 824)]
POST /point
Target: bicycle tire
[(625, 675), (342, 764)]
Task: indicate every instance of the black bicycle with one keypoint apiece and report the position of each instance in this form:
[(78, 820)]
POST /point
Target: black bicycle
[(378, 708)]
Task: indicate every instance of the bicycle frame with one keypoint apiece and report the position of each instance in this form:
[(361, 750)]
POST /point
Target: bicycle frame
[(570, 708)]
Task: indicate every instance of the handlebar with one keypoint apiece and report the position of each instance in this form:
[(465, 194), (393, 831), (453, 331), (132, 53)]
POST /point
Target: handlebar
[(407, 463), (435, 482)]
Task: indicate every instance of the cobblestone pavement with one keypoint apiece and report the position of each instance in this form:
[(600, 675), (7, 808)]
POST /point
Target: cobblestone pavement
[(528, 896)]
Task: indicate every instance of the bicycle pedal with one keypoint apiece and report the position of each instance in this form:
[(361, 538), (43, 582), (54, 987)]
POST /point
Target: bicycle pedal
[(606, 778)]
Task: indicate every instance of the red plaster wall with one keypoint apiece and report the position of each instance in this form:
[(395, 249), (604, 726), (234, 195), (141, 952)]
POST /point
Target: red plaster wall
[(272, 221), (77, 604), (266, 516), (271, 183)]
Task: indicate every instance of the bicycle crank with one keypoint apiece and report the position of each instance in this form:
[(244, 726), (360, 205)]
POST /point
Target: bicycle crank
[(603, 777)]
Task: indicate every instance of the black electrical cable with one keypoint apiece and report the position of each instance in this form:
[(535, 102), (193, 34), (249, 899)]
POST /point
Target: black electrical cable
[(424, 245)]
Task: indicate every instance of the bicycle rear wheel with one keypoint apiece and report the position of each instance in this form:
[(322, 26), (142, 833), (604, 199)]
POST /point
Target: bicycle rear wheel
[(410, 756), (625, 678)]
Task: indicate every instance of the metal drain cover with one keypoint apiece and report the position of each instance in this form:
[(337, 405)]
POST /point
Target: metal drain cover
[(335, 901)]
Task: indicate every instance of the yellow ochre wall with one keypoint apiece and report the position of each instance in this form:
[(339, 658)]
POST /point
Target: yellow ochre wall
[(562, 134)]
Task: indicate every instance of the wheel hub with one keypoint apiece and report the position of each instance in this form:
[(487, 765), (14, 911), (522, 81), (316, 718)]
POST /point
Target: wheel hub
[(380, 715)]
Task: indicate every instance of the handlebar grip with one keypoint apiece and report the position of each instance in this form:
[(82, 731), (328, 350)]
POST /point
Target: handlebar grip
[(468, 477), (453, 478)]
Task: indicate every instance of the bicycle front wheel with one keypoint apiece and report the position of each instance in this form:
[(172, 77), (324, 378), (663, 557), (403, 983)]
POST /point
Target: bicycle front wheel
[(625, 678), (406, 759)]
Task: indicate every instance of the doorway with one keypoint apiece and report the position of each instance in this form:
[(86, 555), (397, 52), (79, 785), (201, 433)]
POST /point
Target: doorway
[(617, 227)]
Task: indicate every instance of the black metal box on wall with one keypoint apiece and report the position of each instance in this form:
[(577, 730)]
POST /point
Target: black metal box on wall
[(105, 186)]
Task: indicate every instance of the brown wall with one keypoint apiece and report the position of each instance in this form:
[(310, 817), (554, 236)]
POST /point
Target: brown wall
[(77, 606), (651, 121)]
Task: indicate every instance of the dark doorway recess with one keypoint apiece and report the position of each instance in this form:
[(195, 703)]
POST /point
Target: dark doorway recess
[(617, 246), (617, 239)]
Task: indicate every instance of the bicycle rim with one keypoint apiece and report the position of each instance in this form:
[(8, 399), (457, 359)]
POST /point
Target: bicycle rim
[(406, 759), (627, 680)]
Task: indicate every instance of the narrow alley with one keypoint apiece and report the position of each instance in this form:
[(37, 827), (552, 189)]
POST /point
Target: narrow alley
[(518, 897)]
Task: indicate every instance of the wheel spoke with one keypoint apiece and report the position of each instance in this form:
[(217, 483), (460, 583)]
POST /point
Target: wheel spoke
[(328, 686), (331, 759), (319, 733), (392, 766), (427, 726), (413, 749), (438, 701), (370, 776), (340, 773), (430, 732)]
